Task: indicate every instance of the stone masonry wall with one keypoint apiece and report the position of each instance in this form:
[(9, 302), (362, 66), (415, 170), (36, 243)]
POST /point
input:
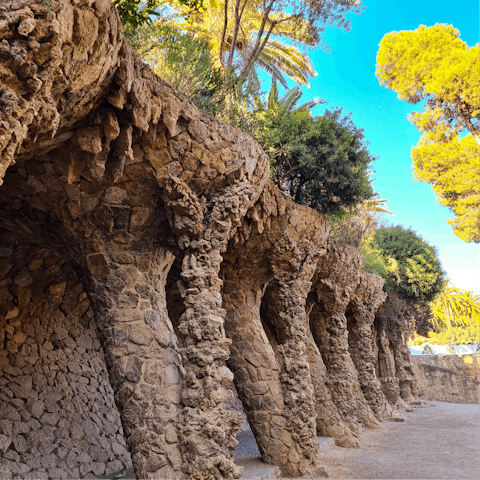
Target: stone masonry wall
[(57, 414), (448, 378)]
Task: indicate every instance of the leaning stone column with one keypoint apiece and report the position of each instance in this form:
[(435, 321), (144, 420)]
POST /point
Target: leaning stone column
[(329, 421), (365, 301), (285, 300), (204, 228), (270, 262), (393, 317), (140, 347), (255, 368), (335, 281), (386, 369)]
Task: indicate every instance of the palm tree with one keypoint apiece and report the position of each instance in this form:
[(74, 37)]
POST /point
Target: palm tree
[(454, 307), (247, 34), (288, 102)]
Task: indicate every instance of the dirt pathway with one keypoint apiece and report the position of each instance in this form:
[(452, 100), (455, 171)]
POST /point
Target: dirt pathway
[(436, 441)]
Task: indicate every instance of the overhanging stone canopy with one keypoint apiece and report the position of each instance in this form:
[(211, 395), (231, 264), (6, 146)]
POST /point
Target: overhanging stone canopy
[(137, 229)]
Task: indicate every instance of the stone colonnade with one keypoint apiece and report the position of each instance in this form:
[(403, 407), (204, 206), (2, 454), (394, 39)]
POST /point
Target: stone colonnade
[(106, 166)]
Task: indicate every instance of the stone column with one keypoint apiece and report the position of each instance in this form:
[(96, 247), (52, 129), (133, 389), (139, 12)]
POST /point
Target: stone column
[(330, 334), (284, 312), (367, 298), (336, 278), (204, 228), (255, 368), (329, 421), (393, 318), (141, 352), (386, 369)]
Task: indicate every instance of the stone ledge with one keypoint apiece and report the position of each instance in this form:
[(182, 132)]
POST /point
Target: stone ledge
[(256, 469)]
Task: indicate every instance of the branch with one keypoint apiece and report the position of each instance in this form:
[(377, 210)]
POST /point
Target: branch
[(257, 49), (238, 17), (468, 124), (224, 32)]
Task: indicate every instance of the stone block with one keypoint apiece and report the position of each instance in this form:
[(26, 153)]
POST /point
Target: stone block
[(22, 386), (37, 475), (34, 424), (23, 279), (98, 454), (152, 372), (84, 457), (171, 434), (118, 449), (50, 419), (84, 341), (58, 289), (140, 334), (174, 457), (98, 468), (58, 473), (49, 461), (20, 444), (97, 264), (37, 408), (133, 369), (152, 318), (172, 375), (127, 300), (4, 442), (113, 467)]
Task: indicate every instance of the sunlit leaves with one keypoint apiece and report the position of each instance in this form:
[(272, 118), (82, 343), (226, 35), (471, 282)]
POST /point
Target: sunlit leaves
[(377, 262), (452, 167), (323, 161), (455, 307), (420, 275), (138, 13), (175, 56), (433, 64), (276, 57)]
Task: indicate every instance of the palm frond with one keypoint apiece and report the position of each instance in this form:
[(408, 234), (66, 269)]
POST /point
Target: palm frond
[(273, 95)]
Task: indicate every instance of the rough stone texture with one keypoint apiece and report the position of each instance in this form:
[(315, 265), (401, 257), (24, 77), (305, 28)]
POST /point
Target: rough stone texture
[(393, 326), (266, 273), (57, 413), (368, 296), (158, 225), (447, 378)]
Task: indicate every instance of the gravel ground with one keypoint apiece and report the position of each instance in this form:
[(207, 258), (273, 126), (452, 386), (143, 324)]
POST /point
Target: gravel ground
[(437, 441), (247, 446)]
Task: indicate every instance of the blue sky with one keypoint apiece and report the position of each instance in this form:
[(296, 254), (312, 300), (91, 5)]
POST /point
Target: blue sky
[(346, 78)]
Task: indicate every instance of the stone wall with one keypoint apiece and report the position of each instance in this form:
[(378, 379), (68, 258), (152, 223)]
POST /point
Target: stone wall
[(57, 414), (448, 378), (137, 229)]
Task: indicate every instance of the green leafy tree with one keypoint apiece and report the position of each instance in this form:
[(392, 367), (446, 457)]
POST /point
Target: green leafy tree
[(376, 262), (181, 59), (356, 224), (433, 65), (138, 13), (323, 161), (287, 104), (420, 274)]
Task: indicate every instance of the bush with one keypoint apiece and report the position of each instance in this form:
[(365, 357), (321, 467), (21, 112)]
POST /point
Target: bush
[(420, 274)]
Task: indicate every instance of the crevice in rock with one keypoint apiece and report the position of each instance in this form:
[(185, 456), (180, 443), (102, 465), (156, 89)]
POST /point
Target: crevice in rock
[(175, 304)]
